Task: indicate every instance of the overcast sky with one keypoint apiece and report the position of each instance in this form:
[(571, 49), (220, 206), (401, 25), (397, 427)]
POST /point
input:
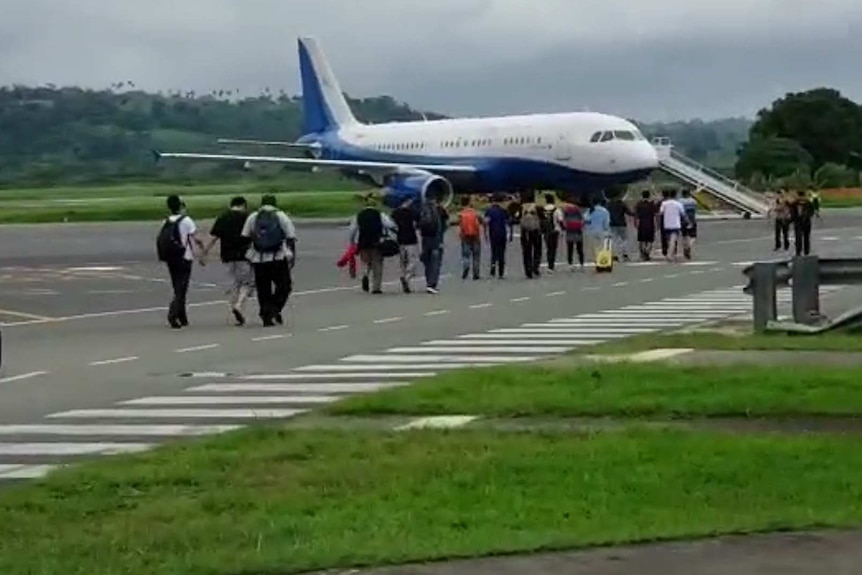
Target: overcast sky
[(647, 59)]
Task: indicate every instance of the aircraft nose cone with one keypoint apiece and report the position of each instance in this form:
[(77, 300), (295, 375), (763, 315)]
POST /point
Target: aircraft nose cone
[(649, 156)]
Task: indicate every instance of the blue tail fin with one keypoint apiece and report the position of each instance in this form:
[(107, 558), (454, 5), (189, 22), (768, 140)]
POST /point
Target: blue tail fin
[(324, 107)]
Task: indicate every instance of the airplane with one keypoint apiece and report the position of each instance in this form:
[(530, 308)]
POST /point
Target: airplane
[(578, 154)]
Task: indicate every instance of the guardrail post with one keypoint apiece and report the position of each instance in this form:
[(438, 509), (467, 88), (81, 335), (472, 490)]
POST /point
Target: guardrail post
[(763, 284), (806, 289)]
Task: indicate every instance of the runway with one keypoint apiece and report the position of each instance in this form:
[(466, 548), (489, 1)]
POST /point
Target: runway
[(90, 368)]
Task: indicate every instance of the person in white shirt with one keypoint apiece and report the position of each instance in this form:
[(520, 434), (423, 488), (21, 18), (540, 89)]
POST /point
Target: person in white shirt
[(272, 253), (673, 215), (180, 232)]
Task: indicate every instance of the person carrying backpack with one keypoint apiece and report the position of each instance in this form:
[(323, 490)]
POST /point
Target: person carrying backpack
[(433, 221), (550, 217), (174, 248), (272, 253), (470, 225), (531, 237), (573, 226), (498, 232), (802, 212), (368, 230)]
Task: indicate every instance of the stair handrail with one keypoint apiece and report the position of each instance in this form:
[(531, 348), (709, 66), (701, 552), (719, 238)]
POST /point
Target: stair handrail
[(736, 198), (713, 173)]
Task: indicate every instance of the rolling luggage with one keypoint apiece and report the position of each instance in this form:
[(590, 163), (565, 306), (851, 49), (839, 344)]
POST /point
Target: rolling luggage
[(605, 256)]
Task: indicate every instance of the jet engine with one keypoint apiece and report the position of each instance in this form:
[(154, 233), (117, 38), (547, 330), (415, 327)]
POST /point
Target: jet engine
[(418, 186)]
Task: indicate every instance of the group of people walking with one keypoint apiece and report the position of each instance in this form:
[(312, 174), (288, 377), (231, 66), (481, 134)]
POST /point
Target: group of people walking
[(797, 212), (257, 248), (415, 234)]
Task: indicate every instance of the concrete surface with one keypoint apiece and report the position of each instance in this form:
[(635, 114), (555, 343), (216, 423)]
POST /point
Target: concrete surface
[(812, 553), (89, 367), (84, 330)]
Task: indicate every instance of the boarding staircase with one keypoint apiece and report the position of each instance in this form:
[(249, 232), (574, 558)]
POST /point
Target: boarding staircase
[(732, 193)]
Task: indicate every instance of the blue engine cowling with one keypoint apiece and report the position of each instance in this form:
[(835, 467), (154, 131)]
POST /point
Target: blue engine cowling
[(417, 187)]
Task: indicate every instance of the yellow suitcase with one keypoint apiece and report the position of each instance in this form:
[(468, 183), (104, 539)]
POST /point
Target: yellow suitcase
[(605, 256)]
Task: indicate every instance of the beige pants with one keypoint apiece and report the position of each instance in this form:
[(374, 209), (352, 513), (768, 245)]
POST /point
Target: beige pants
[(373, 260)]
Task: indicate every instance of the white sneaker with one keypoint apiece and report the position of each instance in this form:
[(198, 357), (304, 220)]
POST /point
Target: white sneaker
[(431, 290)]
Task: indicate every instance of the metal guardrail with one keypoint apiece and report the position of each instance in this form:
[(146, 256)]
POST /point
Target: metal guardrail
[(805, 274)]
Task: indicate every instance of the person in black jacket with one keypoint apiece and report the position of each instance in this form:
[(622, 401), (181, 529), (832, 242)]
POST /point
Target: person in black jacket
[(802, 212), (406, 219), (367, 230)]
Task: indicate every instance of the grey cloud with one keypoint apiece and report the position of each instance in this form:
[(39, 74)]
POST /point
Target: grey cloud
[(642, 58)]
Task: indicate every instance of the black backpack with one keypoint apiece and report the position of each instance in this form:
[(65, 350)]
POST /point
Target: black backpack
[(169, 243), (429, 221), (268, 235)]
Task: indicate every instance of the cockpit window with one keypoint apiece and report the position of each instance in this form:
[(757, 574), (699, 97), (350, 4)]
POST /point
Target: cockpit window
[(623, 135), (596, 137), (607, 136)]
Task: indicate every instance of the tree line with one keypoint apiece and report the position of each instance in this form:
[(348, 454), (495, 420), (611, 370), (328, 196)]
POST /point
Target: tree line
[(70, 135)]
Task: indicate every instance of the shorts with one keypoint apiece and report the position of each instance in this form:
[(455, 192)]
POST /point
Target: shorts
[(671, 233), (241, 274), (646, 235), (689, 231)]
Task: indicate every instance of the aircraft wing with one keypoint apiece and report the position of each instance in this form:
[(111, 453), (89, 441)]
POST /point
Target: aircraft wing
[(383, 167), (267, 143)]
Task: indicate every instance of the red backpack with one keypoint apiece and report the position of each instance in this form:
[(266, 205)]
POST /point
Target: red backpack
[(573, 218)]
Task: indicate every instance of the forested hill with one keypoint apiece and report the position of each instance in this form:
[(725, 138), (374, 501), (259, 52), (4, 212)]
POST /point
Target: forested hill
[(70, 135)]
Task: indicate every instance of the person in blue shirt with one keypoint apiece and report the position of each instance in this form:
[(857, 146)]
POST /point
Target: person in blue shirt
[(498, 232), (689, 226), (598, 225)]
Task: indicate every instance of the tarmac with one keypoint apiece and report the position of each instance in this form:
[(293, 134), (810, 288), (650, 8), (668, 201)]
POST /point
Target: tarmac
[(90, 367)]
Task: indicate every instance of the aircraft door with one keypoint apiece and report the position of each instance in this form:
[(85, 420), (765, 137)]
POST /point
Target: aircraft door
[(562, 149)]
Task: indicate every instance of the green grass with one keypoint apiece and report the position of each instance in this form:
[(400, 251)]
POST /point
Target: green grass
[(839, 341), (263, 501), (642, 390), (322, 204), (841, 202)]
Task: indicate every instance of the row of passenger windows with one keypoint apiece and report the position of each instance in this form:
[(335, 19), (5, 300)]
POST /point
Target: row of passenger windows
[(459, 143), (609, 135)]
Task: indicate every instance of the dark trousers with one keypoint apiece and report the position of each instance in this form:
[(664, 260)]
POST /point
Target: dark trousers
[(570, 250), (782, 232), (802, 237), (181, 275), (498, 256), (274, 284), (531, 250), (552, 241), (664, 242)]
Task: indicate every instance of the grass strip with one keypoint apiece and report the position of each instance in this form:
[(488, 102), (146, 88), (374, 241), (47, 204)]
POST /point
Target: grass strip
[(324, 204), (640, 390), (269, 501), (839, 341)]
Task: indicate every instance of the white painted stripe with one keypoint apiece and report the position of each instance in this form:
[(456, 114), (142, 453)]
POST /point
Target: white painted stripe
[(480, 305), (596, 317), (555, 294), (508, 341), (539, 337), (388, 320), (614, 321), (661, 353), (330, 368), (294, 387), (8, 471), (208, 374), (22, 376), (438, 422), (230, 400), (435, 358), (582, 329), (519, 299), (526, 350), (181, 413), (197, 348), (317, 376), (115, 360), (270, 337), (700, 302), (71, 448), (105, 430), (436, 312), (333, 328), (591, 331), (658, 313)]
